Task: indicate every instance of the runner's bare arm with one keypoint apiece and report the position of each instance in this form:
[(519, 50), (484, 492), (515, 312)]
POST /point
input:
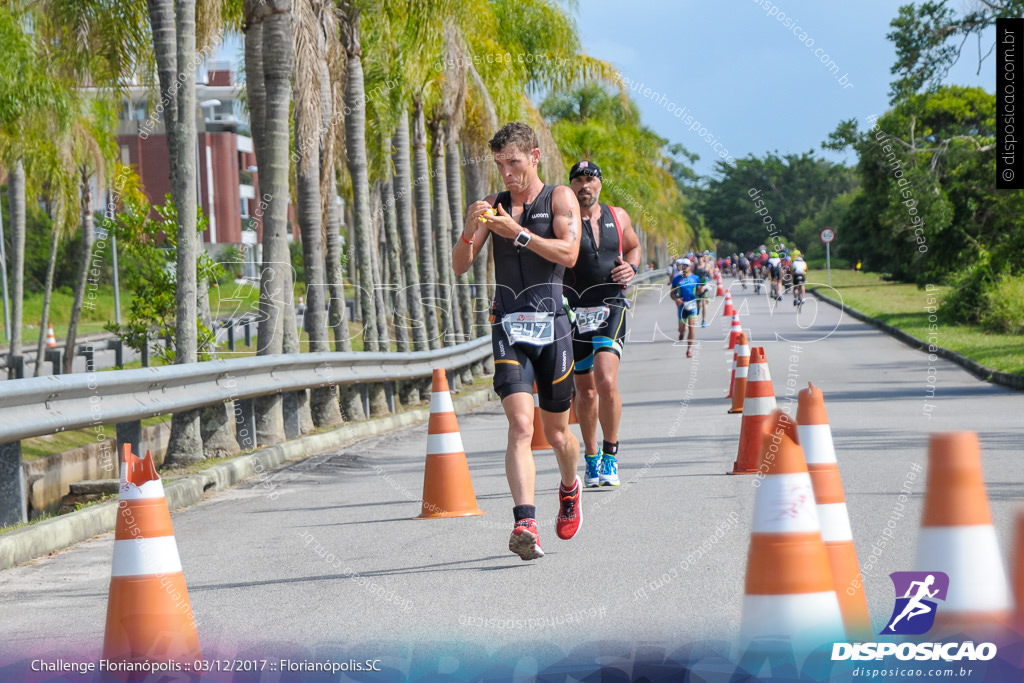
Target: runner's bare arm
[(564, 247), (623, 272), (476, 231)]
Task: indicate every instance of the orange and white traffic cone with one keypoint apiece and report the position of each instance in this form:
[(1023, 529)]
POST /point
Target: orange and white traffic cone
[(149, 616), (816, 440), (721, 287), (447, 486), (51, 341), (790, 600), (957, 536), (735, 331), (728, 309), (732, 375), (539, 441), (739, 381), (758, 404)]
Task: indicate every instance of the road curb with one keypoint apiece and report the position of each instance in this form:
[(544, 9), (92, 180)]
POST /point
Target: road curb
[(43, 538), (983, 373)]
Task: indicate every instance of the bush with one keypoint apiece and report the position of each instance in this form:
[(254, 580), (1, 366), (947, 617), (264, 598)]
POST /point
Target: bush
[(968, 298), (1004, 311)]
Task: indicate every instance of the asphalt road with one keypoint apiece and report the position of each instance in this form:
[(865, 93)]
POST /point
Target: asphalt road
[(336, 564)]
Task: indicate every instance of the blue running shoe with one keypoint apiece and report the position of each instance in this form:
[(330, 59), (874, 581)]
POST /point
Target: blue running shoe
[(592, 477), (609, 471)]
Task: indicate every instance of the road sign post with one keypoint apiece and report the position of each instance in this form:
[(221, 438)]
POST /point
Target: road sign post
[(827, 235)]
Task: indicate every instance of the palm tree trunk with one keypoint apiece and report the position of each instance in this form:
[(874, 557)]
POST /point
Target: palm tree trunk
[(351, 403), (456, 211), (338, 313), (377, 230), (255, 90), (451, 326), (51, 266), (424, 232), (398, 299), (462, 295), (403, 206), (275, 290), (323, 400), (82, 279), (355, 148), (356, 157), (16, 206), (165, 51), (476, 188), (185, 443), (216, 422)]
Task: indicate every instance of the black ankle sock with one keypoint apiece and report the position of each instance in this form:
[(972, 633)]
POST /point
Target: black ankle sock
[(609, 448), (524, 512)]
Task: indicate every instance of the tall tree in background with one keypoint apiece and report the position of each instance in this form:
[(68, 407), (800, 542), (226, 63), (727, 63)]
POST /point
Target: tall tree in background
[(269, 72), (929, 39), (592, 123), (315, 31)]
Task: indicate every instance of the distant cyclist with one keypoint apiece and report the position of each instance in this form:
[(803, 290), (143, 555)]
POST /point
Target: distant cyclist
[(799, 277), (743, 264), (775, 275)]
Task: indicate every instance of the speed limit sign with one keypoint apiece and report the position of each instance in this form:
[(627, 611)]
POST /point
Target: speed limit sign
[(827, 235)]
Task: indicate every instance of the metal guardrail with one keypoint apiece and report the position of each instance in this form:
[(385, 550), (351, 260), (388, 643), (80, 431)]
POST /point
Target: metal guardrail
[(46, 405)]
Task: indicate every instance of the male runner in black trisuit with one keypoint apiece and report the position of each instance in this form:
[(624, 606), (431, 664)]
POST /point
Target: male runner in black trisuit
[(536, 237), (609, 258)]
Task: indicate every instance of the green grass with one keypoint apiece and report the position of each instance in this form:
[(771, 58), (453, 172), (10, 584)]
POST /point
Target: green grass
[(93, 319), (903, 306), (42, 446)]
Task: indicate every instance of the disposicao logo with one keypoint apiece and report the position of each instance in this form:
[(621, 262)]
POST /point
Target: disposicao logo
[(914, 612), (913, 615)]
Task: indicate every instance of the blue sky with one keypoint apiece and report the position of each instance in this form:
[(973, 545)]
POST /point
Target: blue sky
[(748, 80), (752, 84)]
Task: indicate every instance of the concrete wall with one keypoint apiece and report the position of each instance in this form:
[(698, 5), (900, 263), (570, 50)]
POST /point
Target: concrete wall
[(49, 479)]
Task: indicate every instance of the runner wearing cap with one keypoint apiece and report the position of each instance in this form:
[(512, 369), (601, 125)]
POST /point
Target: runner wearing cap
[(536, 232), (686, 288), (609, 258)]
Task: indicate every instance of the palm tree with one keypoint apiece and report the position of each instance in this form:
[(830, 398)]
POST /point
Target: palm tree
[(355, 147), (356, 157), (315, 23), (173, 26), (398, 297), (16, 199), (402, 201), (90, 159), (268, 82), (450, 325), (424, 227)]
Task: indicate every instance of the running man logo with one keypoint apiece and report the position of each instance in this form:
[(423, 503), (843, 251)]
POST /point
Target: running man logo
[(914, 612)]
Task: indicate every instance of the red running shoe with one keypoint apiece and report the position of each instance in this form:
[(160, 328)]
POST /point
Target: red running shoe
[(525, 540), (570, 511)]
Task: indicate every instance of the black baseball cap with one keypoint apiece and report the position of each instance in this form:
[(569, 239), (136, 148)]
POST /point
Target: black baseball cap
[(585, 168)]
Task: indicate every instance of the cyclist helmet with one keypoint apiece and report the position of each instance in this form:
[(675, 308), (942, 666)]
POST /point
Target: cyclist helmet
[(774, 254), (796, 252)]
